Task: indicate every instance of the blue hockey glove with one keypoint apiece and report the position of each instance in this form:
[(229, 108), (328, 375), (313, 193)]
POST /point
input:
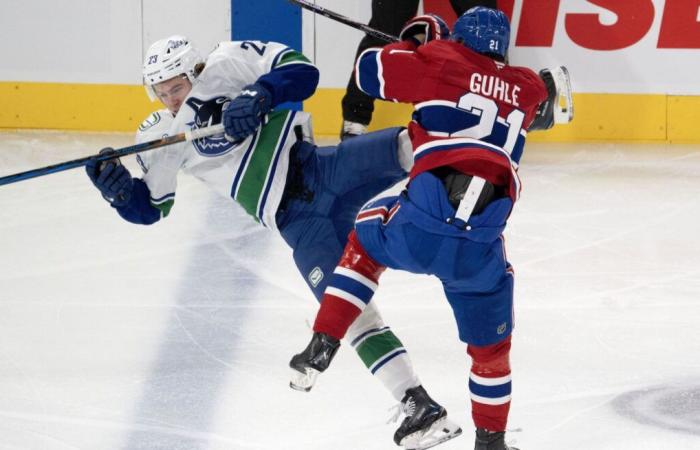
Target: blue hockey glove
[(245, 113), (111, 178), (425, 28)]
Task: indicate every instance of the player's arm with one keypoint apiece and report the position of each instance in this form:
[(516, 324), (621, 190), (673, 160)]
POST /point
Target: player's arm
[(292, 78), (288, 76), (391, 73), (130, 196)]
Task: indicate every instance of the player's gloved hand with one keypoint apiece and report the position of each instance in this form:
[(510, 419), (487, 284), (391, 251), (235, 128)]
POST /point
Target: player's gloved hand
[(544, 118), (111, 178), (246, 112), (425, 28)]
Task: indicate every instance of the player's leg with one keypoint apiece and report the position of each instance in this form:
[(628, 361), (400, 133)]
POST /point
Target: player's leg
[(484, 317), (348, 292), (347, 311), (318, 247), (380, 349), (359, 169), (387, 16)]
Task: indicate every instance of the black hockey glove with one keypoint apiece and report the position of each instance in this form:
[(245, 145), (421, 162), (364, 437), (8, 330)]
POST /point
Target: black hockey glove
[(111, 178), (544, 118)]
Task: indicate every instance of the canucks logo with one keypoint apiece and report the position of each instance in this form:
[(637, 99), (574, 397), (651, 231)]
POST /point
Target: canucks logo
[(208, 113), (150, 122)]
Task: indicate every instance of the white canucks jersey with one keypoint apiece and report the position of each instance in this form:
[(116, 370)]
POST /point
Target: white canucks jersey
[(252, 172)]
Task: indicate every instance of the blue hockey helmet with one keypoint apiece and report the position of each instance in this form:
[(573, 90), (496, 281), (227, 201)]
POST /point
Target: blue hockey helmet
[(484, 30)]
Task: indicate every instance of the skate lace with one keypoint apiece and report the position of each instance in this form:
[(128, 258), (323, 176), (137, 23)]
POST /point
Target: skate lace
[(408, 408)]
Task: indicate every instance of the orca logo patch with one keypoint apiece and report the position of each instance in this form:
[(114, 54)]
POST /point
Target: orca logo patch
[(206, 114)]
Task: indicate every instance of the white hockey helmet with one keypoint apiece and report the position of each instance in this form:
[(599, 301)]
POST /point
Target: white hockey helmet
[(168, 58)]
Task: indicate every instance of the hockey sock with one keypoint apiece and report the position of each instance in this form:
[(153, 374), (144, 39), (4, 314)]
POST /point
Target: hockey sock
[(346, 308), (382, 352), (349, 291), (490, 385)]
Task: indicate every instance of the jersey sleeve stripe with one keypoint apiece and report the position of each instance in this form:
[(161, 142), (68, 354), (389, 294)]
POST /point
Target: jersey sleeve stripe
[(163, 199), (288, 57)]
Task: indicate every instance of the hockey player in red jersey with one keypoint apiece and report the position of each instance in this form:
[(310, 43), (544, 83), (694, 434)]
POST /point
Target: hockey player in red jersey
[(472, 114)]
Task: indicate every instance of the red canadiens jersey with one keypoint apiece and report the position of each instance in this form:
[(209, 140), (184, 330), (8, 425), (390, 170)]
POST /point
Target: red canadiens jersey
[(471, 112)]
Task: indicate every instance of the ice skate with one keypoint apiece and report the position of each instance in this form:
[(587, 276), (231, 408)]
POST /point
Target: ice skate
[(313, 360), (426, 424), (491, 440)]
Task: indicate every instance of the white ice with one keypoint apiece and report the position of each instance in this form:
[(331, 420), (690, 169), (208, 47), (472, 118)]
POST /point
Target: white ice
[(177, 336)]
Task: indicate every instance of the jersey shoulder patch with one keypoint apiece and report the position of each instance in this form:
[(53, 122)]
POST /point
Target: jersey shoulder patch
[(155, 126), (151, 121)]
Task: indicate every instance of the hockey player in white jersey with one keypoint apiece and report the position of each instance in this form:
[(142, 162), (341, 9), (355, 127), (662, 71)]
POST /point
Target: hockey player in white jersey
[(267, 162)]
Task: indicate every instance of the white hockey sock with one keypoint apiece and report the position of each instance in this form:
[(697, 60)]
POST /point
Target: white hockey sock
[(382, 352)]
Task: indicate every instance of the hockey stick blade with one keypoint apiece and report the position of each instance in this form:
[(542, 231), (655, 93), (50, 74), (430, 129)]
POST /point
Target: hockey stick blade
[(564, 108), (187, 136), (346, 20)]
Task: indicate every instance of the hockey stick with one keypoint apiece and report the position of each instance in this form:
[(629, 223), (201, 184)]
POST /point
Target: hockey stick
[(346, 20), (187, 136), (564, 107)]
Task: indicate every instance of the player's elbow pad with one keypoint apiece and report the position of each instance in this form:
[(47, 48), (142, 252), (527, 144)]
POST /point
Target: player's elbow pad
[(367, 73), (293, 83)]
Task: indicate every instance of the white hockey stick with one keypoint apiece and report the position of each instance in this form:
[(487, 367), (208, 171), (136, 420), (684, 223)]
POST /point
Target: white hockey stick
[(564, 107)]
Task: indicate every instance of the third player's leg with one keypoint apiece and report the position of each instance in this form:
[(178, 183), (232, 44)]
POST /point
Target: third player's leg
[(387, 16)]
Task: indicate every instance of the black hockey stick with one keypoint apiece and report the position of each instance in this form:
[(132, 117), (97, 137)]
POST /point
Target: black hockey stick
[(346, 20), (131, 150)]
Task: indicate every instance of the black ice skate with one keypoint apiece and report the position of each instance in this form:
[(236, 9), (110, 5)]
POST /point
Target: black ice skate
[(313, 360), (491, 440), (426, 424)]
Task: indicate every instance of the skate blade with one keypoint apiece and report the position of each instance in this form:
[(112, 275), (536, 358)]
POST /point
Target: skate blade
[(303, 381), (441, 431), (564, 107)]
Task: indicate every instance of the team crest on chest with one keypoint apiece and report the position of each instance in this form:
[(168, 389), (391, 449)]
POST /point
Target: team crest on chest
[(208, 113)]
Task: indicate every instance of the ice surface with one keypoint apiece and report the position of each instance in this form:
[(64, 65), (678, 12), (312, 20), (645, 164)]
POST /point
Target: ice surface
[(177, 336)]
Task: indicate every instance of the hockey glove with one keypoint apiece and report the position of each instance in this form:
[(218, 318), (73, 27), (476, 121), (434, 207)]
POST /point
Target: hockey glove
[(559, 106), (111, 178), (425, 28), (544, 118), (246, 112)]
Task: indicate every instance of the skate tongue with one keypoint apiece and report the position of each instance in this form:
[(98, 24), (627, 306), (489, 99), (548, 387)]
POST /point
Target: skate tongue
[(441, 431), (303, 381)]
